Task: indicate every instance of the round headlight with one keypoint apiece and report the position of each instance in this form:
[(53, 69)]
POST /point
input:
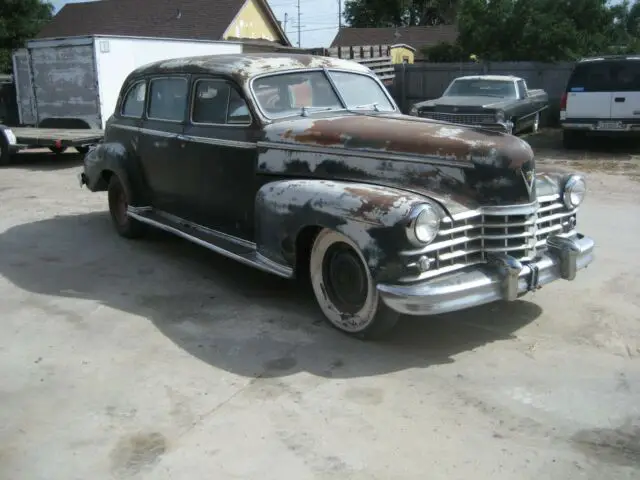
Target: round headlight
[(574, 191), (414, 111), (424, 225), (500, 116)]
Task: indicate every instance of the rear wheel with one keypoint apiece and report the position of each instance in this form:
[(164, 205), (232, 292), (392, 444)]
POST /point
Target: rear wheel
[(58, 150), (344, 288), (572, 139), (82, 150), (119, 198)]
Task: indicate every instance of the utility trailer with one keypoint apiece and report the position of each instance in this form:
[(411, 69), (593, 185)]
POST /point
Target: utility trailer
[(67, 88)]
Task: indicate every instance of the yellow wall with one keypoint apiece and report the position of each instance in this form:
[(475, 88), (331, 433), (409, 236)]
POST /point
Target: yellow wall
[(252, 23), (398, 53)]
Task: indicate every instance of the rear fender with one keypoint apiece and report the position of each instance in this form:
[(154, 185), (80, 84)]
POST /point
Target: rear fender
[(113, 158), (373, 217)]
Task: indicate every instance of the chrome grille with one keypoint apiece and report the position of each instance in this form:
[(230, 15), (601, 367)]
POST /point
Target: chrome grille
[(520, 232), (463, 118)]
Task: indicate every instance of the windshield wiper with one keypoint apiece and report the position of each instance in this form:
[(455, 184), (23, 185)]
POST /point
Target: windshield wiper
[(366, 105)]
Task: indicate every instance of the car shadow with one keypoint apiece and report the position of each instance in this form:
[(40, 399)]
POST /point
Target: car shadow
[(43, 160), (231, 316)]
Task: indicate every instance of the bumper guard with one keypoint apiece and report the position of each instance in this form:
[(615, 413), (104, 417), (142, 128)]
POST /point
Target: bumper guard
[(502, 278)]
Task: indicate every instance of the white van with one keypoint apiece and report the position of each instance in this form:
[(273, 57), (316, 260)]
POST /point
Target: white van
[(602, 96)]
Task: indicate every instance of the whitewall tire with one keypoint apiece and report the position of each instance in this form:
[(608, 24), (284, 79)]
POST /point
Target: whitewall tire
[(344, 288)]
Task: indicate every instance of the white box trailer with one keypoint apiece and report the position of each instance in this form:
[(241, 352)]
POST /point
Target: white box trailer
[(78, 79), (67, 88)]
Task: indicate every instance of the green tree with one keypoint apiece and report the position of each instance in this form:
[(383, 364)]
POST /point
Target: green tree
[(542, 30), (20, 20), (399, 13)]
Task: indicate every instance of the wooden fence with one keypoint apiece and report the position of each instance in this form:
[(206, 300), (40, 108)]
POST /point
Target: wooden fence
[(375, 57)]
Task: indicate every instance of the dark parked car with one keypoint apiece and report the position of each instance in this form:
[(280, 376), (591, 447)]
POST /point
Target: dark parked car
[(497, 102), (304, 166)]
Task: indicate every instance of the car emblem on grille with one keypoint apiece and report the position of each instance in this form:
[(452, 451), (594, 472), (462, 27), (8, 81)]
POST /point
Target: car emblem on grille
[(455, 109), (528, 179)]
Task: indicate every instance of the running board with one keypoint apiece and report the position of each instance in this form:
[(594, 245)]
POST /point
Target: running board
[(227, 245)]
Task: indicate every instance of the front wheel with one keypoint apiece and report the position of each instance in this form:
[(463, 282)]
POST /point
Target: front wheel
[(344, 288)]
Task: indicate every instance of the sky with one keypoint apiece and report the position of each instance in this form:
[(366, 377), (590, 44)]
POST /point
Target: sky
[(318, 19)]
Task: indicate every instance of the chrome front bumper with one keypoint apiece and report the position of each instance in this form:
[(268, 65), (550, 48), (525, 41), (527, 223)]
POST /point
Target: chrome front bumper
[(503, 278)]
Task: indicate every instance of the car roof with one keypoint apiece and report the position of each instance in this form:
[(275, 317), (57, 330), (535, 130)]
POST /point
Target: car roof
[(244, 66), (489, 77), (609, 57)]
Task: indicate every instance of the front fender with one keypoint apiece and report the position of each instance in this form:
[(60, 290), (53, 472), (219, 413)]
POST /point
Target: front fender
[(113, 157), (373, 217)]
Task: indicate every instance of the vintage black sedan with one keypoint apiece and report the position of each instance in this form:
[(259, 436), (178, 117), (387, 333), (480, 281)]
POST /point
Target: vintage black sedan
[(497, 102), (304, 167)]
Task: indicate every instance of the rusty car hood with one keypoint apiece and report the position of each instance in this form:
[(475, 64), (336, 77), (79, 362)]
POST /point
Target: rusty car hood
[(468, 164)]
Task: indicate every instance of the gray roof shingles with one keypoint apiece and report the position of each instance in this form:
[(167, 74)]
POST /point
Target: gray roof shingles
[(416, 37), (183, 19)]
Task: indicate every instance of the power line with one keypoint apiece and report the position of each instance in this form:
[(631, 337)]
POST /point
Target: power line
[(298, 23), (318, 29)]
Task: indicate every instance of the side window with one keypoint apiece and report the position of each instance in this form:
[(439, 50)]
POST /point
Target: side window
[(133, 104), (168, 99), (522, 91), (217, 102)]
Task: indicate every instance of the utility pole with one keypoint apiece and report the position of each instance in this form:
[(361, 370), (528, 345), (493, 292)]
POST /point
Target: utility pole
[(299, 24), (339, 14), (286, 19)]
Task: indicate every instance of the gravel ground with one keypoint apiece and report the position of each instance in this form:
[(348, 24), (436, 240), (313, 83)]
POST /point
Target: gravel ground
[(157, 359)]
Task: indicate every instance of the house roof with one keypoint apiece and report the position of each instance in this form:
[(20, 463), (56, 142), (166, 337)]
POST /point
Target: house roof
[(180, 19), (417, 37)]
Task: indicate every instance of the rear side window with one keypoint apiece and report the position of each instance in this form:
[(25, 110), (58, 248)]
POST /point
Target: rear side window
[(168, 99), (217, 102), (133, 104), (605, 76)]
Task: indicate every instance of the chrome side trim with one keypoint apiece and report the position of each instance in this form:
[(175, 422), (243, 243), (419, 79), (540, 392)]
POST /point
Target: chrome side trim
[(286, 272), (190, 138), (221, 142), (158, 133), (207, 231), (363, 154), (281, 271), (138, 209), (124, 127)]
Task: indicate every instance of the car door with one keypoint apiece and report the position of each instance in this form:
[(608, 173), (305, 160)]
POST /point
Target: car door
[(161, 146), (222, 141), (524, 108), (625, 103), (124, 126), (589, 91)]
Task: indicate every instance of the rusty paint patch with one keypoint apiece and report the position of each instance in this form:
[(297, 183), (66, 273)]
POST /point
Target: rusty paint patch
[(404, 135), (375, 200)]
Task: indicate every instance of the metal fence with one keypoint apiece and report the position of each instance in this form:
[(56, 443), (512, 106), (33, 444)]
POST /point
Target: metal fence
[(426, 81)]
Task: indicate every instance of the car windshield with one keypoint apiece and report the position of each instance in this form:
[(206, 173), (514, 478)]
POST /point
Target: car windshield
[(482, 88), (281, 95)]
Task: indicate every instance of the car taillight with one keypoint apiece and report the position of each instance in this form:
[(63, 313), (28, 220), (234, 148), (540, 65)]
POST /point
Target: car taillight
[(563, 102)]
